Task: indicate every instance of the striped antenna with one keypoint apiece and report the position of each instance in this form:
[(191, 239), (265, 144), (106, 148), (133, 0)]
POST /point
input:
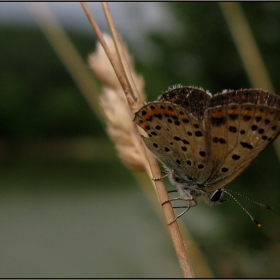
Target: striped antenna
[(262, 205)]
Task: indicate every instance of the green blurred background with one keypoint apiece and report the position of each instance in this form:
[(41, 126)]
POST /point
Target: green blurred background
[(69, 208)]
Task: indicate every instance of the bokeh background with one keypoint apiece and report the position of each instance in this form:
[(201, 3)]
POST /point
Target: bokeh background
[(68, 207)]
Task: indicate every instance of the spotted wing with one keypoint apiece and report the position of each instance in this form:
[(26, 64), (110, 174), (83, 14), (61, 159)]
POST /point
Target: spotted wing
[(193, 100), (240, 125), (176, 137)]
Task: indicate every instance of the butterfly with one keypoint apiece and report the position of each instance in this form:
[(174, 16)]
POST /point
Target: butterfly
[(206, 141)]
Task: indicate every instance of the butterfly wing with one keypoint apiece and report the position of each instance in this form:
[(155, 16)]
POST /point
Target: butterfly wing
[(176, 137), (209, 140), (240, 125), (193, 100)]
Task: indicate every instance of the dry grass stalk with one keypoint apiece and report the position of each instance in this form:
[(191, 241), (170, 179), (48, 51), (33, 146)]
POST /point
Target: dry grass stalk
[(246, 45), (134, 102), (122, 58), (66, 52), (118, 114), (248, 50)]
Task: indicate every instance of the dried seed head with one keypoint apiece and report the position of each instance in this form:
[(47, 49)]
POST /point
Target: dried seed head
[(118, 115)]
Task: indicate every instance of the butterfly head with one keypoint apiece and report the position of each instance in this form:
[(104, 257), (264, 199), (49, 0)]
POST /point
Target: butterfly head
[(215, 198)]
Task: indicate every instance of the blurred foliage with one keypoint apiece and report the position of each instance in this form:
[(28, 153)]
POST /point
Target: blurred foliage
[(202, 52), (39, 100), (38, 97)]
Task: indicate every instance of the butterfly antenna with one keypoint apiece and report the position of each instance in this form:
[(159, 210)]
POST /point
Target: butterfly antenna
[(258, 203), (255, 221)]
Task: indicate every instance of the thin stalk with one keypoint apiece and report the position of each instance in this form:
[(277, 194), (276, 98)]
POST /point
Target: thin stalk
[(248, 50), (68, 54), (246, 45), (105, 47), (153, 164), (122, 58)]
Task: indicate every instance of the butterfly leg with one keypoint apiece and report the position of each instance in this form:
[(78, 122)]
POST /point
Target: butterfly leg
[(172, 191), (173, 199), (190, 200), (164, 176), (185, 211)]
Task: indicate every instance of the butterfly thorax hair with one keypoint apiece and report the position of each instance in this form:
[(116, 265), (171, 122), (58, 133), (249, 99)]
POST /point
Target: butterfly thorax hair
[(190, 191)]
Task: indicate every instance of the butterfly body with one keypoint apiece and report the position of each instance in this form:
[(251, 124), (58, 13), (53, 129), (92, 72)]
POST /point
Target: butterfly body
[(205, 141)]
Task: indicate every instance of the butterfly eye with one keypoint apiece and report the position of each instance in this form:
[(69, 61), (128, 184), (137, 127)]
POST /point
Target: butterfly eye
[(216, 195)]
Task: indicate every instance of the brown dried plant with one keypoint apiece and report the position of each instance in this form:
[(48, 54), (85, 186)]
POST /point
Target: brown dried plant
[(114, 104), (124, 97)]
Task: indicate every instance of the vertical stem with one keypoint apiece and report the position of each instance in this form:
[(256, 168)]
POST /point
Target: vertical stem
[(246, 45)]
